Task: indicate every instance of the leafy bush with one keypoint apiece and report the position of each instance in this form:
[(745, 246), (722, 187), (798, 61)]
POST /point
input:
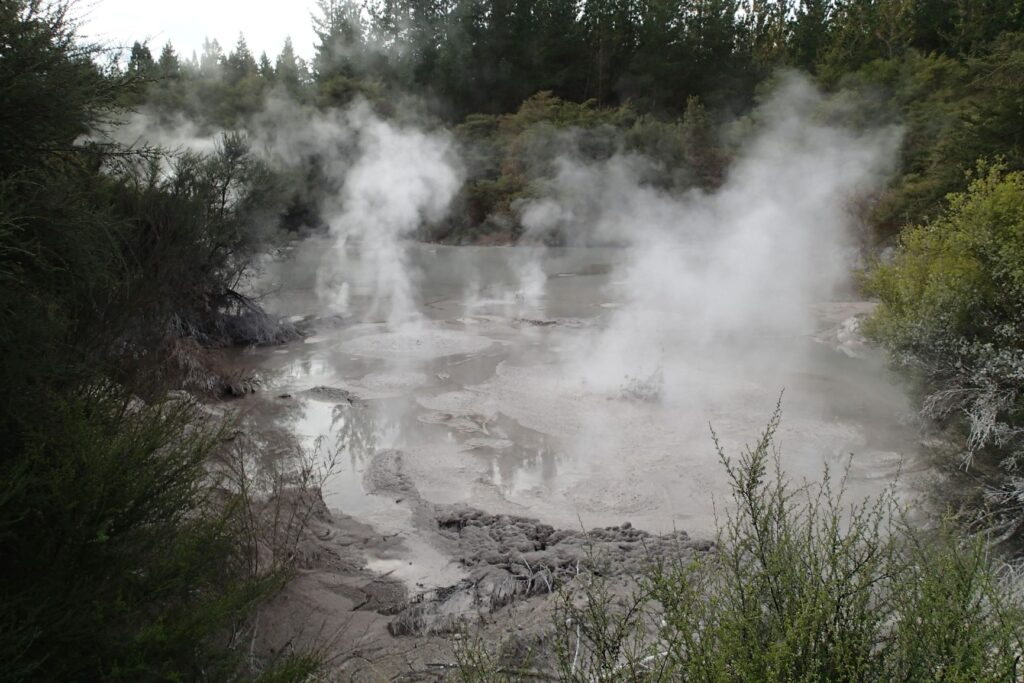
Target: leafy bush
[(510, 155), (952, 311), (953, 111), (119, 559)]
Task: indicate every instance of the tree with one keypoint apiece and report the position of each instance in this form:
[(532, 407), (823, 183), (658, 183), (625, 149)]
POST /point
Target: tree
[(767, 27), (810, 32), (117, 561), (289, 70), (168, 67), (559, 48), (140, 63), (211, 61), (340, 34), (611, 28), (717, 51), (240, 64), (265, 67)]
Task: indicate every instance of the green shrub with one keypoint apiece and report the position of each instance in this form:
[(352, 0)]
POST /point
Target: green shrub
[(952, 311), (120, 565), (118, 559), (805, 587)]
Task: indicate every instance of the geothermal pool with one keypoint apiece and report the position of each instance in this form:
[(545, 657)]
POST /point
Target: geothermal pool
[(547, 383)]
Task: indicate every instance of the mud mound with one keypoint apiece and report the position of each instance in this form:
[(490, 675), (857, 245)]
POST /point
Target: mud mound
[(332, 395), (511, 558), (386, 474), (522, 543)]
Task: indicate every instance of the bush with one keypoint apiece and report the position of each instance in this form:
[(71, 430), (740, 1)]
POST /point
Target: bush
[(511, 155), (120, 560), (952, 312), (804, 587), (119, 564)]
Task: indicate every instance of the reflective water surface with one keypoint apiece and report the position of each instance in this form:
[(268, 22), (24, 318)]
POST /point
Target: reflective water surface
[(532, 382)]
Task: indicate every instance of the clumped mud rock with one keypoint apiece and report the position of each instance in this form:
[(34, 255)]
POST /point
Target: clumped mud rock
[(332, 395), (386, 474), (508, 558), (235, 387), (512, 558), (370, 625), (574, 323), (332, 600)]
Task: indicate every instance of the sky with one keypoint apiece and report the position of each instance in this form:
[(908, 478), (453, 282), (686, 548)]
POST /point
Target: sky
[(186, 23)]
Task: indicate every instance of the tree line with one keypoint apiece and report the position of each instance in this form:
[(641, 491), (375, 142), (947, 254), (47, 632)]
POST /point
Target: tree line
[(941, 68), (487, 56)]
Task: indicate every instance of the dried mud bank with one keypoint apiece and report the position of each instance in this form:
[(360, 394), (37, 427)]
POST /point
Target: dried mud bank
[(371, 626)]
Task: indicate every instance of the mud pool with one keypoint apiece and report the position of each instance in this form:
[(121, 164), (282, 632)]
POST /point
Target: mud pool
[(533, 382)]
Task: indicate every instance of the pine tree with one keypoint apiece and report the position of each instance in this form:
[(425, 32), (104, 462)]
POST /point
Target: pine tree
[(141, 64), (340, 34), (240, 64), (169, 67)]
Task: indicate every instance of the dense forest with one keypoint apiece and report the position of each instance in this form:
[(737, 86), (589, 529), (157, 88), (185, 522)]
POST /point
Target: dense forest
[(657, 78), (126, 556)]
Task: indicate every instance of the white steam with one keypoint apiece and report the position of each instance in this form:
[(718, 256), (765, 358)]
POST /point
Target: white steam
[(741, 264), (706, 314), (402, 178)]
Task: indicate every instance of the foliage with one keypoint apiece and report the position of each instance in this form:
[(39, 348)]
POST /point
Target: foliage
[(510, 155), (944, 69), (952, 311), (955, 112), (482, 56), (804, 586), (120, 562)]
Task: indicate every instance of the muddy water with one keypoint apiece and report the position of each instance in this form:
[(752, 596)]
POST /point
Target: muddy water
[(519, 384)]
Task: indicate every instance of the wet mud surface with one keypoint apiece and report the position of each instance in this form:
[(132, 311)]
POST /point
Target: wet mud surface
[(527, 416)]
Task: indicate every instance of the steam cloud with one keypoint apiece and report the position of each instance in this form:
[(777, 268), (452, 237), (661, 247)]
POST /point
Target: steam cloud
[(402, 178), (744, 262), (708, 298), (747, 259)]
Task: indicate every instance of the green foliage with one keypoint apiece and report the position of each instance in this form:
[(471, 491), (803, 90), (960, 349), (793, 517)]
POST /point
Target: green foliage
[(120, 562), (509, 155), (961, 274), (953, 111), (805, 587), (944, 69), (42, 56), (951, 309)]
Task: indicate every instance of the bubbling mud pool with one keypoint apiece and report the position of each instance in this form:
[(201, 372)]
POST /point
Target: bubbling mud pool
[(504, 391)]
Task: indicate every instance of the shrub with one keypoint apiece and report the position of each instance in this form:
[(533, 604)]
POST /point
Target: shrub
[(119, 560), (952, 312)]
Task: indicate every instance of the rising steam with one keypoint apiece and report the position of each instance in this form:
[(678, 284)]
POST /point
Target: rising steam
[(705, 315), (743, 262)]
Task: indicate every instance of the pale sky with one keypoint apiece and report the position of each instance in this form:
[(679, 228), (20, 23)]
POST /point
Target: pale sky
[(186, 23)]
